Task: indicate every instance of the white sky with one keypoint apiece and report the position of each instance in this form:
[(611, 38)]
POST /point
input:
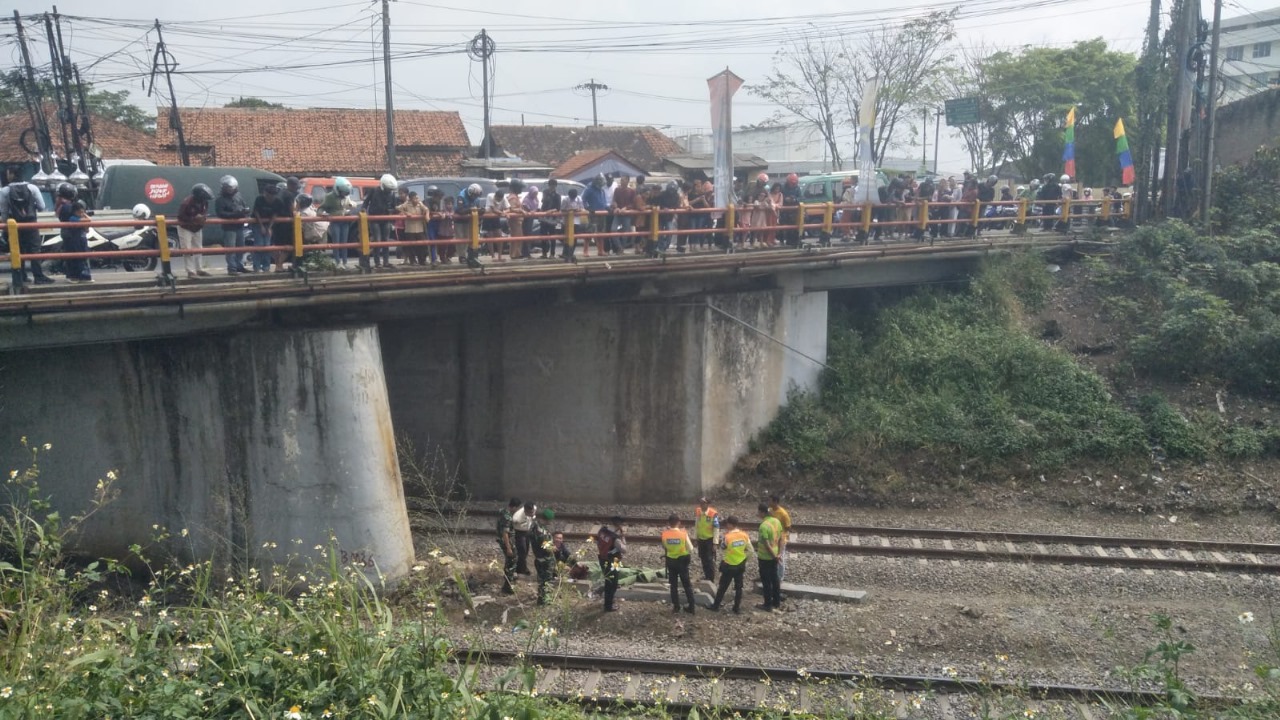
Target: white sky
[(654, 55)]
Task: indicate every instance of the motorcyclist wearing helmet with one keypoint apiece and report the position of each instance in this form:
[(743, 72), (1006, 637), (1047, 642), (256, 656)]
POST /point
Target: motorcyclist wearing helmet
[(230, 205), (551, 225), (337, 204), (381, 201), (64, 195), (191, 218), (1051, 194), (790, 199)]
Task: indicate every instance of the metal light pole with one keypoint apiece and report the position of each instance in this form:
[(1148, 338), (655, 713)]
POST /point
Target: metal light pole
[(1206, 199)]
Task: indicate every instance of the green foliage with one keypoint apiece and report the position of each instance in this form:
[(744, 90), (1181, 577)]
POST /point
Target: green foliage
[(113, 105), (954, 374), (252, 103), (1199, 307), (1027, 96), (1244, 196)]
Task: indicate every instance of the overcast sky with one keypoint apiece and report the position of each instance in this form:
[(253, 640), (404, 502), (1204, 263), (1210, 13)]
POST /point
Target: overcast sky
[(655, 56)]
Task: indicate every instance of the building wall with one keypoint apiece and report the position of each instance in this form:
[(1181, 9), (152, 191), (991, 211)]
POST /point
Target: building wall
[(1245, 125), (783, 144)]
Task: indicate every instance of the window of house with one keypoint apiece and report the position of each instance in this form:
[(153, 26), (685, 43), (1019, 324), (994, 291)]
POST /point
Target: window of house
[(1262, 49), (1235, 53)]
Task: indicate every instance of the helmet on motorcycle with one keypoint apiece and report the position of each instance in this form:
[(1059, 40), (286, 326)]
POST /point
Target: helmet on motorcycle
[(388, 182), (202, 192), (792, 179), (67, 190), (474, 190), (141, 212), (342, 185), (304, 201), (229, 182), (762, 178), (1064, 179)]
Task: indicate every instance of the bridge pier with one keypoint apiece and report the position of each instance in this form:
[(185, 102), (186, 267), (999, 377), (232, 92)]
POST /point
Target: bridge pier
[(644, 401), (250, 441)]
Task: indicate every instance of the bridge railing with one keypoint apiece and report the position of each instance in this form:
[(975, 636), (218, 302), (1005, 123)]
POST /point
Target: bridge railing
[(654, 230)]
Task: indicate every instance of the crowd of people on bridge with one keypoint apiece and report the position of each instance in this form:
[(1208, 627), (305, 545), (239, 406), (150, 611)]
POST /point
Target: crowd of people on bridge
[(523, 530), (613, 215)]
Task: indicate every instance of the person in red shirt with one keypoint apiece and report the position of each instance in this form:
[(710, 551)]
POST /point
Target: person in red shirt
[(624, 201)]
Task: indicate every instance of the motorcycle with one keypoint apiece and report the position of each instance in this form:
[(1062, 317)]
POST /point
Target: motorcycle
[(110, 240)]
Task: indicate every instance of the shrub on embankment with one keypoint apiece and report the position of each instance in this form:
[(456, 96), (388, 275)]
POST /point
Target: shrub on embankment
[(957, 374)]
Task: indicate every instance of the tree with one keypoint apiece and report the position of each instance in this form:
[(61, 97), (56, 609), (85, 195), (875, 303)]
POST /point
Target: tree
[(1030, 92), (112, 105), (908, 60), (806, 82), (252, 103), (985, 154)]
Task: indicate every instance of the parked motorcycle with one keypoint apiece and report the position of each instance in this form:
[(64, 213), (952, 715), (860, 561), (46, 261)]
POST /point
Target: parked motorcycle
[(109, 240)]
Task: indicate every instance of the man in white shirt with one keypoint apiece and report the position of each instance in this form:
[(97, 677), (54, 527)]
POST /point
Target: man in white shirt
[(522, 520)]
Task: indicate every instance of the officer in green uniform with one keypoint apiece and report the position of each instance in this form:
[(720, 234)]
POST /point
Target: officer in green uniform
[(506, 541), (544, 555)]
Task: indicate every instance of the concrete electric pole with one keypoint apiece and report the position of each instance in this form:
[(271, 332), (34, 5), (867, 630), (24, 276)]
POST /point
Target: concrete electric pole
[(386, 74), (1206, 199), (593, 87)]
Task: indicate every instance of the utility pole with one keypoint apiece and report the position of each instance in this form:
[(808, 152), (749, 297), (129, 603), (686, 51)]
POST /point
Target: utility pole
[(482, 48), (593, 87), (32, 96), (175, 117), (1184, 29), (1206, 197), (937, 133), (386, 73), (924, 136), (59, 85)]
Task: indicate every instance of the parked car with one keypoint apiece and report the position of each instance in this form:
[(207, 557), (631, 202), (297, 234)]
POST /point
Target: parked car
[(163, 188), (828, 187), (450, 186)]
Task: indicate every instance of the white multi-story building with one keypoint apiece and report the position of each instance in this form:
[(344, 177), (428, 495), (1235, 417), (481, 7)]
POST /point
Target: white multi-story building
[(1250, 50), (794, 147)]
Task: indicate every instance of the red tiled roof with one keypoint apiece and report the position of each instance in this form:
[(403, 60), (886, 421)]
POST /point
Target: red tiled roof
[(117, 141), (319, 141), (555, 144), (581, 160)]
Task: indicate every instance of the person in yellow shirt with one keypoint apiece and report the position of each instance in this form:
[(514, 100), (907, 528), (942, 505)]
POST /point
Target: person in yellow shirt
[(768, 548), (737, 543), (784, 518), (678, 549), (706, 527)]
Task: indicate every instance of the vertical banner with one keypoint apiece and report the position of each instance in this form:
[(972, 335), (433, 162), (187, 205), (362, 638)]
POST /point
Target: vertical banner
[(722, 85), (1122, 153), (1069, 144), (866, 191)]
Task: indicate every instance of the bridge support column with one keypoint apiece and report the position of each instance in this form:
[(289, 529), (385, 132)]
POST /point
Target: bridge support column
[(252, 442), (648, 401)]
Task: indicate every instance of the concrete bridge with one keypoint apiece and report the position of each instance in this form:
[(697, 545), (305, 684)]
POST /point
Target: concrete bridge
[(261, 412)]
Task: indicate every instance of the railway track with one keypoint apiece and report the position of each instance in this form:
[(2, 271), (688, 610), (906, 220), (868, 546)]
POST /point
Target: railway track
[(682, 686), (1147, 554)]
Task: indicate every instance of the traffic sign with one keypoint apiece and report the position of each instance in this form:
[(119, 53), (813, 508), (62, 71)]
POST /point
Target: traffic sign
[(962, 111)]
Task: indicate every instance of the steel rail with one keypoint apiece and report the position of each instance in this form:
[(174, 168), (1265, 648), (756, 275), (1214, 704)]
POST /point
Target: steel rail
[(947, 534), (886, 681)]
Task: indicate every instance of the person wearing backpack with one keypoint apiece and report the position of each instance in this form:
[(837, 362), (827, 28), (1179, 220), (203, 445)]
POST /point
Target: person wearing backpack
[(23, 202)]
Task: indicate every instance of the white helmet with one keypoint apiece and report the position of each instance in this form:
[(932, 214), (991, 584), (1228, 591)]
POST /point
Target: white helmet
[(474, 190), (229, 181), (1064, 179), (141, 212), (388, 182)]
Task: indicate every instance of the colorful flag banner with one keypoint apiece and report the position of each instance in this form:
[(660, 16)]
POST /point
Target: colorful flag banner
[(1122, 153), (1069, 150)]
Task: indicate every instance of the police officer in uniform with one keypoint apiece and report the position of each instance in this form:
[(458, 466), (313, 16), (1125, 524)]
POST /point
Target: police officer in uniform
[(676, 545), (506, 541), (544, 551), (706, 526), (736, 544)]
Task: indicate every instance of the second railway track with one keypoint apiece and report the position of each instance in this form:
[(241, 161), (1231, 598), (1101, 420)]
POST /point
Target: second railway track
[(1148, 554)]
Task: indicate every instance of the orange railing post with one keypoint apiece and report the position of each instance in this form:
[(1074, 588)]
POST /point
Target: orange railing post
[(162, 239), (15, 255)]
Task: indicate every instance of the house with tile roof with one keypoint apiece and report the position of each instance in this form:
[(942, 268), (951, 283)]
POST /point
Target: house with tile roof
[(589, 163), (116, 141), (319, 141), (643, 147)]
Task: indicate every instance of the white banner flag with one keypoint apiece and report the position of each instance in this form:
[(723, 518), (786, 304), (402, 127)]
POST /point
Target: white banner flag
[(722, 85), (866, 191)]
